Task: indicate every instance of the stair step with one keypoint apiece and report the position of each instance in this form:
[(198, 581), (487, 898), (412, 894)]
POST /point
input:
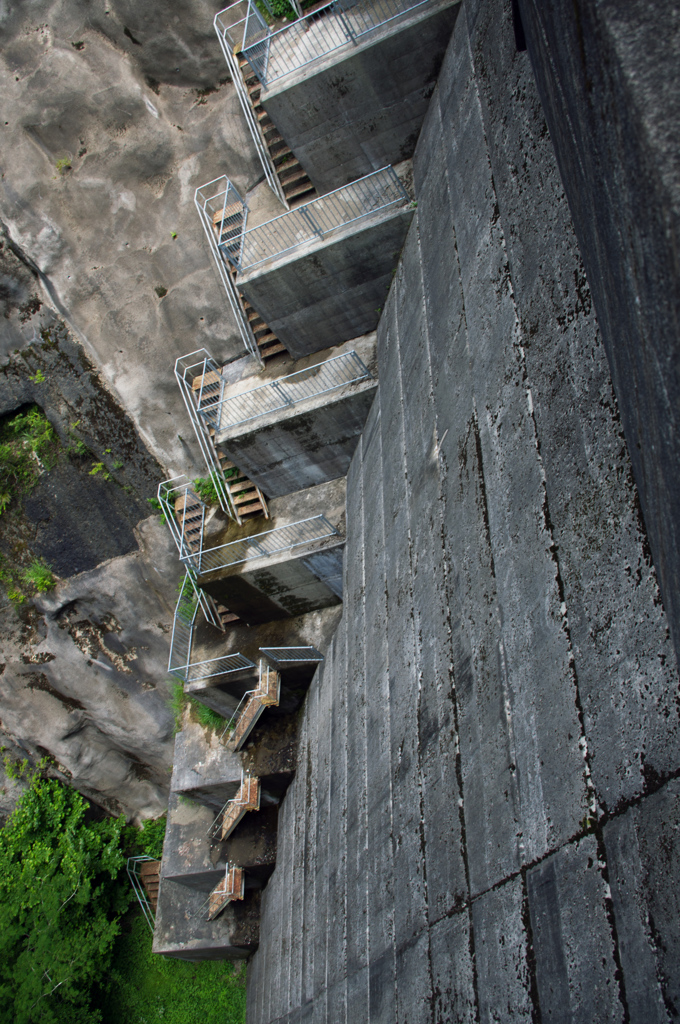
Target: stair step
[(230, 617), (299, 189), (273, 350), (266, 338), (291, 172), (247, 509)]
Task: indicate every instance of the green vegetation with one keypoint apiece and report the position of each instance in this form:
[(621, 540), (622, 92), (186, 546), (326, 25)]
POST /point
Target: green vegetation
[(148, 989), (28, 444), (74, 948), (39, 575), (205, 489), (64, 164), (281, 9), (179, 700), (60, 903), (160, 291), (99, 467)]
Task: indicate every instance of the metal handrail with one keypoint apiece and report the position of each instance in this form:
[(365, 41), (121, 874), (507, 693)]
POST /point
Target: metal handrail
[(273, 55), (270, 542), (184, 374), (226, 28), (203, 200), (139, 890), (284, 392), (168, 492), (317, 218), (292, 655), (258, 693)]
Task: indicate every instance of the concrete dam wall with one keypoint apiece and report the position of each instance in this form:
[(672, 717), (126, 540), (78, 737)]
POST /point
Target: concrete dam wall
[(483, 822)]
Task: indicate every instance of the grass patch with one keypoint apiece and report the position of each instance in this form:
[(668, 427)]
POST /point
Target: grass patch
[(149, 989), (179, 700), (39, 575)]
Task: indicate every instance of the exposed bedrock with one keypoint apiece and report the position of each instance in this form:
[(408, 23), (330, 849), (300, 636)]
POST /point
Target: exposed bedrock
[(82, 679), (103, 142)]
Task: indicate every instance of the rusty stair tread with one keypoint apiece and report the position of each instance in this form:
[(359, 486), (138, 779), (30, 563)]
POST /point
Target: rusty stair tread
[(247, 509), (274, 350)]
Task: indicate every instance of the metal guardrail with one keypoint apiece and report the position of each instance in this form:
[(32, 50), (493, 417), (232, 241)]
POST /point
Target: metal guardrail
[(139, 890), (292, 655), (185, 373), (282, 538), (273, 55), (317, 218), (284, 392), (231, 26), (208, 200), (180, 665)]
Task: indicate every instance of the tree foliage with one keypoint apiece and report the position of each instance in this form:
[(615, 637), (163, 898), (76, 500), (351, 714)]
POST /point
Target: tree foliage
[(61, 899)]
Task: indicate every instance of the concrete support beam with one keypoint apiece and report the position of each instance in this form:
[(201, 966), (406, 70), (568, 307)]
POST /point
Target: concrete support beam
[(307, 443), (328, 291), (362, 105)]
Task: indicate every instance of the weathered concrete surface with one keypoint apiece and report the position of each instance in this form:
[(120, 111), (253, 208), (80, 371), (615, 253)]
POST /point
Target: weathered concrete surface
[(182, 930), (609, 79), (361, 106), (203, 769), (294, 580), (139, 122), (311, 441), (326, 292), (489, 742)]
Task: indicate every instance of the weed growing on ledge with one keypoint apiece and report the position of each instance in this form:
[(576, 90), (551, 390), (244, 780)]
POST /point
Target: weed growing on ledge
[(179, 700), (63, 165), (39, 575), (99, 467), (205, 489)]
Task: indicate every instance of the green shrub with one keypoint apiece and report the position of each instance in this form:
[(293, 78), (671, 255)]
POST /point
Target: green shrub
[(205, 489), (61, 899), (27, 443)]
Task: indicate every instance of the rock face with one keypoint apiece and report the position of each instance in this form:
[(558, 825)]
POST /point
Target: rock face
[(103, 144), (82, 677), (110, 115)]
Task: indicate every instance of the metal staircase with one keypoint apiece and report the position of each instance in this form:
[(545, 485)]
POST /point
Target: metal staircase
[(295, 183), (246, 799), (201, 384), (253, 703), (224, 215)]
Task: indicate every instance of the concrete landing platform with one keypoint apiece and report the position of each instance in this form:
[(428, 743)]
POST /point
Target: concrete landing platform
[(234, 935), (311, 440), (288, 582), (329, 290), (362, 105)]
